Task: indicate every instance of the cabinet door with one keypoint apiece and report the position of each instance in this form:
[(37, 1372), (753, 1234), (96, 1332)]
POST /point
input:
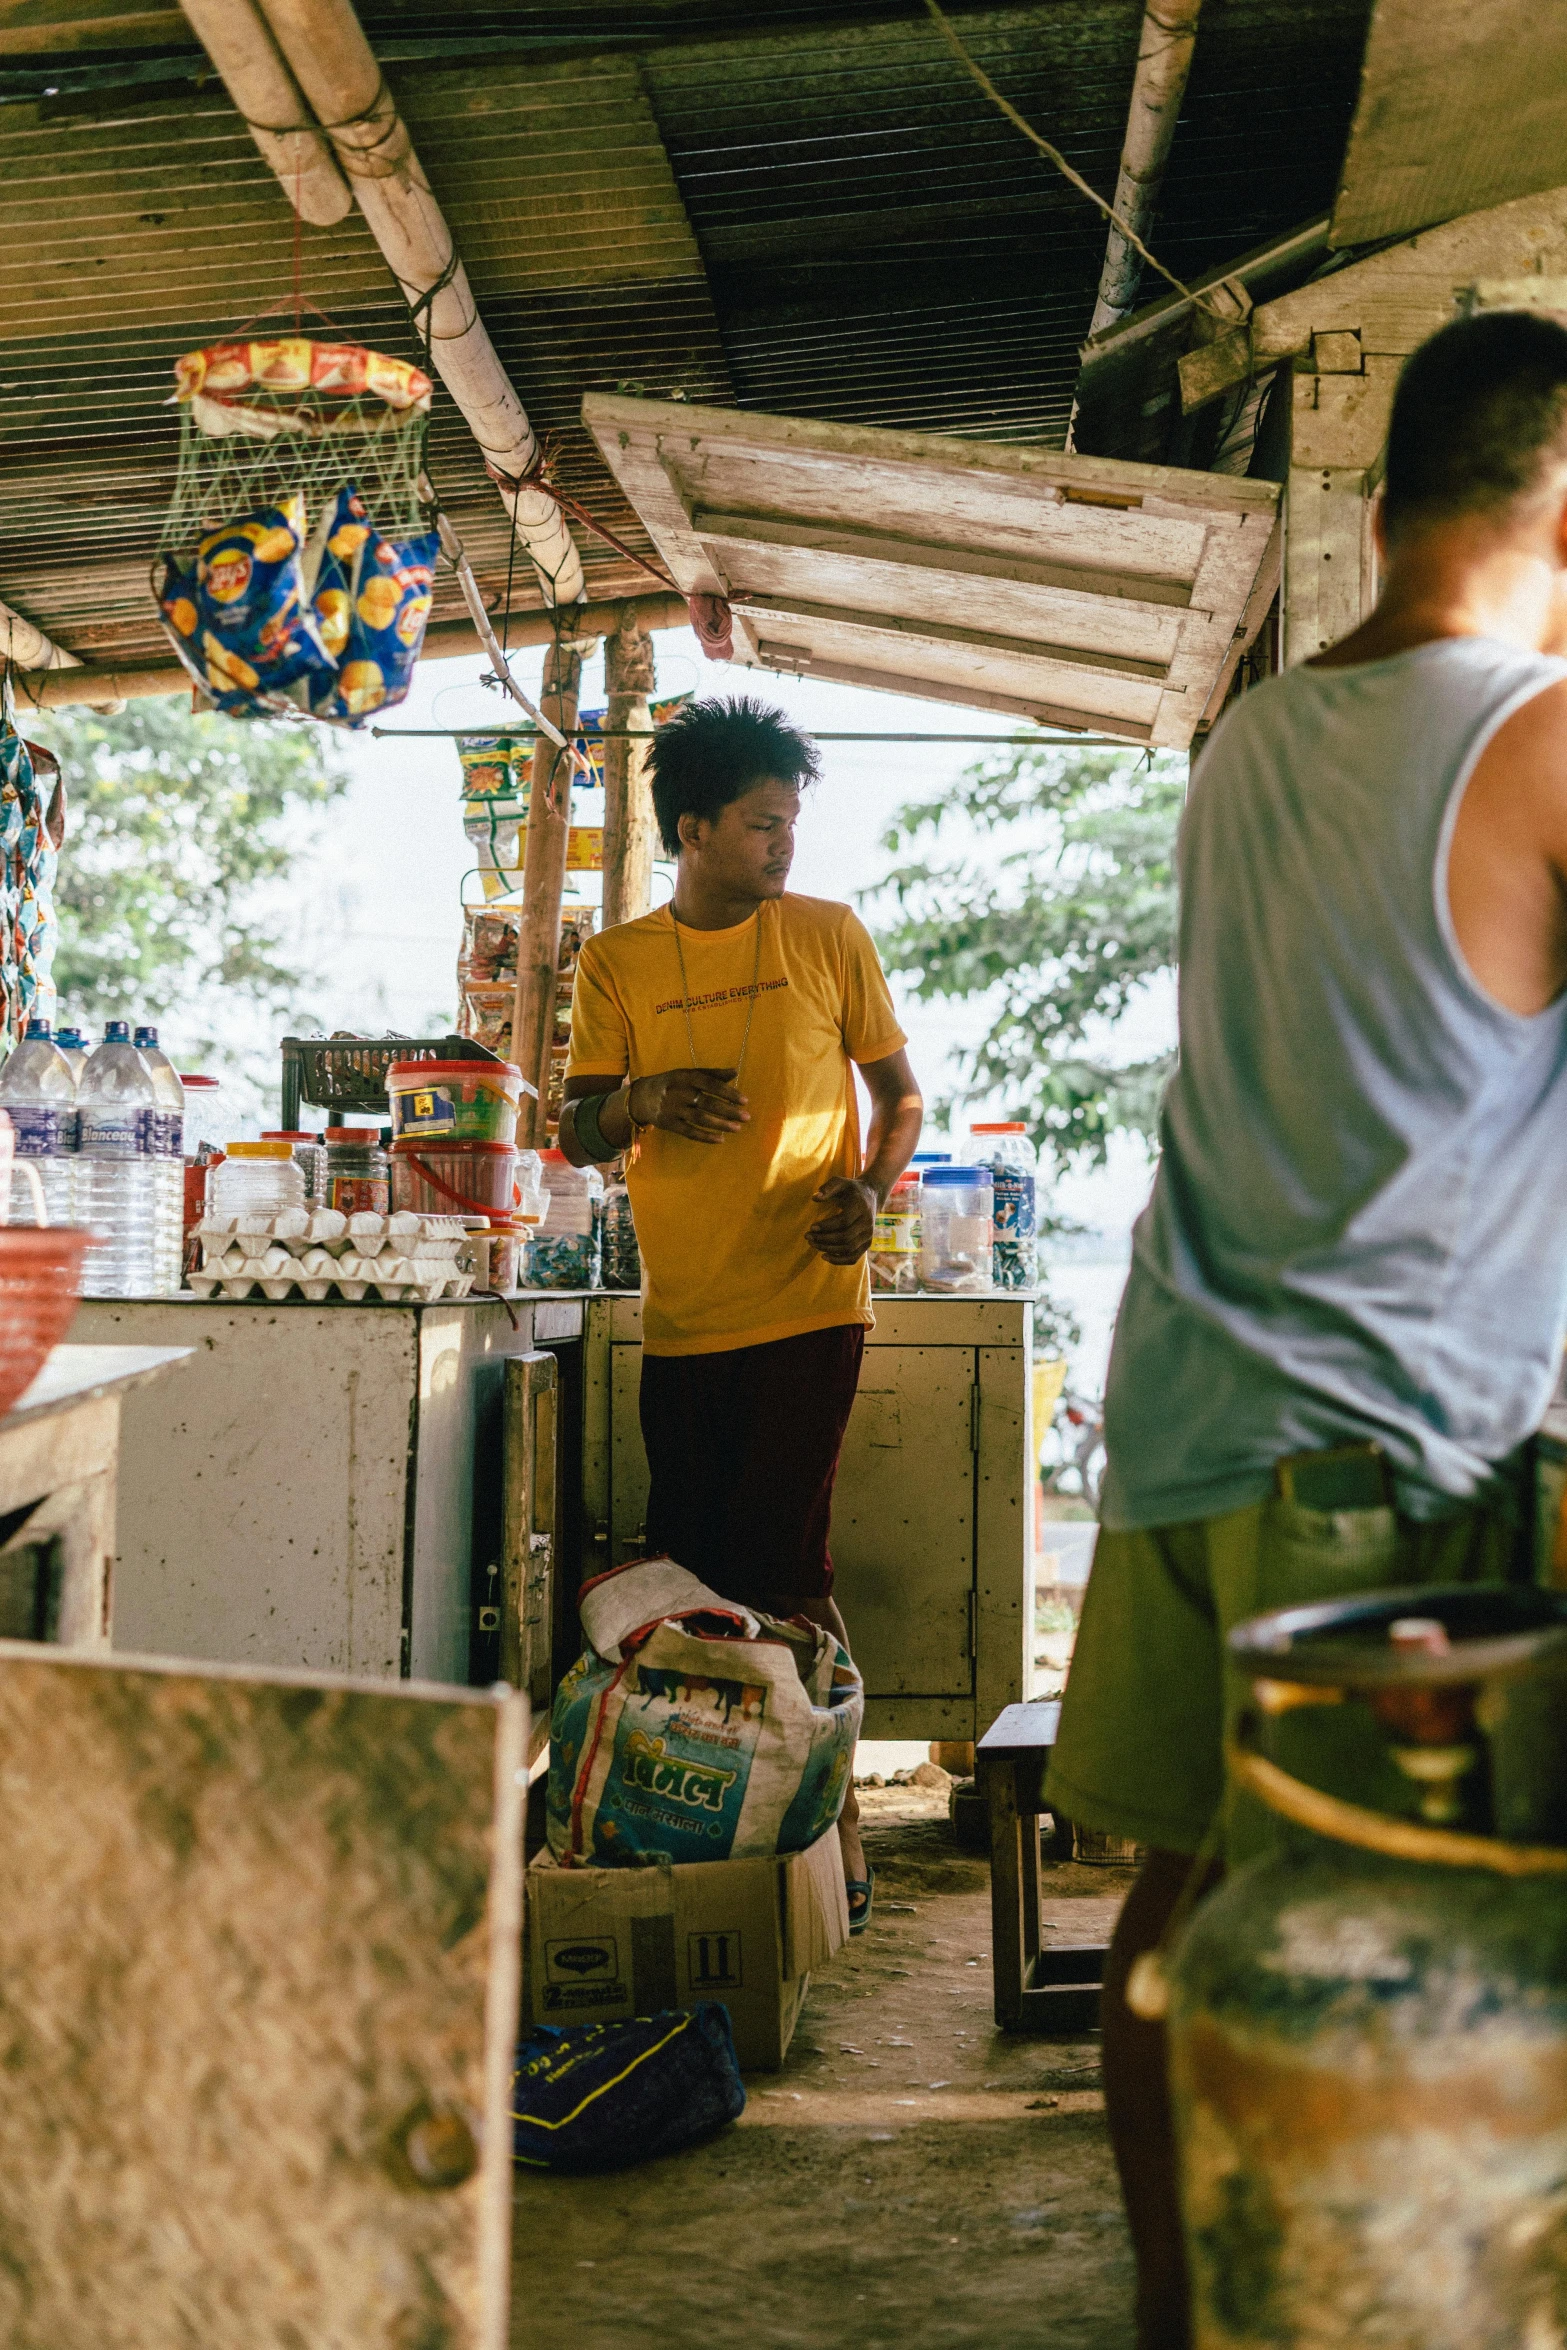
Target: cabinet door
[(628, 1461), (531, 1535), (259, 1941), (903, 1521)]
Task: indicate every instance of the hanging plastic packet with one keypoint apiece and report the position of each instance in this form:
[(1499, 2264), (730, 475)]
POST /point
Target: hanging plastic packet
[(239, 619), (382, 589)]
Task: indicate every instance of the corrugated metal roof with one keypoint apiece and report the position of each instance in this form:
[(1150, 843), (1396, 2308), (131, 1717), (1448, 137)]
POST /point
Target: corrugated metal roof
[(133, 228), (793, 205)]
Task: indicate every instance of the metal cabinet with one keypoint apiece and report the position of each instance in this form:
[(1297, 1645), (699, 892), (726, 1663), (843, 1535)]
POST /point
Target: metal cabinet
[(932, 1529), (335, 1486)]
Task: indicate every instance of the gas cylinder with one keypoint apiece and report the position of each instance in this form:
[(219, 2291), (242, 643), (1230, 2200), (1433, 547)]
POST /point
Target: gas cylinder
[(1368, 2027)]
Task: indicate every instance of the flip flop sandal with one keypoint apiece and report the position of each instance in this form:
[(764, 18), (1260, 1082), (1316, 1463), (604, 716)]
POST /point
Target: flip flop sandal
[(862, 1895)]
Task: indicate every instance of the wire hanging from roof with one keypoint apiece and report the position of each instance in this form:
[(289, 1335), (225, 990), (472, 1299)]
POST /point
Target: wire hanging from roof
[(1054, 155)]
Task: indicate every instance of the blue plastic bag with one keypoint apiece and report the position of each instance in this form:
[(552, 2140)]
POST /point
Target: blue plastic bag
[(599, 2097)]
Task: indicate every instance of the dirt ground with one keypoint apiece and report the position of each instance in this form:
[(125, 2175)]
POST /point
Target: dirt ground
[(913, 2179)]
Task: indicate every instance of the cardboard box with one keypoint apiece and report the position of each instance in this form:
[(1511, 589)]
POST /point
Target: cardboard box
[(606, 1944)]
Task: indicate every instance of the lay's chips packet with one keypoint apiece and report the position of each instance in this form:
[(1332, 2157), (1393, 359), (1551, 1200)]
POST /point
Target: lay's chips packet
[(334, 624), (370, 601), (239, 619)]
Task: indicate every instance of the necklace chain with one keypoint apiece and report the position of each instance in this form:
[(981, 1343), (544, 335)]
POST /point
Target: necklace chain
[(685, 993)]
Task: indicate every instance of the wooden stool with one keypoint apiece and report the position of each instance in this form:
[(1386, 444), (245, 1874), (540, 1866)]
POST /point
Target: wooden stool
[(1053, 1992)]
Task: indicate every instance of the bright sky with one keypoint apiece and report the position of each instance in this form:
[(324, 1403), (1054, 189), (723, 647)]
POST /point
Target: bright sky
[(380, 905)]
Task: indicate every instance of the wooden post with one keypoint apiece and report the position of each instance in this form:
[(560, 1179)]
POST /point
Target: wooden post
[(543, 885), (628, 806), (1338, 425)]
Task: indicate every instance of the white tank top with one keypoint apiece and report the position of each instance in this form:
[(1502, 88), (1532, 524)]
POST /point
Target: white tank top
[(1359, 1224)]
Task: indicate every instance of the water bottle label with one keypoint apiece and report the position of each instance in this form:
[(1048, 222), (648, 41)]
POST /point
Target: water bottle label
[(114, 1130), (40, 1130), (1014, 1205), (165, 1134)]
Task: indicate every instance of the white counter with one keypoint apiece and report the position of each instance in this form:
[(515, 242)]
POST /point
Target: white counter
[(315, 1488)]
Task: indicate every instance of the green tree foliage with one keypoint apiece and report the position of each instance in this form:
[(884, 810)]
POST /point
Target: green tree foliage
[(1060, 914), (180, 831)]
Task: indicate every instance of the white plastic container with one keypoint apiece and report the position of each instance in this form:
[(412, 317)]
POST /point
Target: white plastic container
[(895, 1241), (565, 1251), (1003, 1146), (956, 1206), (255, 1178), (203, 1115)]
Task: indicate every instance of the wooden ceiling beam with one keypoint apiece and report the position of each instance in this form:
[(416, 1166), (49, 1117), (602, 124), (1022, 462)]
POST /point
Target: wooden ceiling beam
[(825, 538), (55, 689), (940, 632), (799, 660)]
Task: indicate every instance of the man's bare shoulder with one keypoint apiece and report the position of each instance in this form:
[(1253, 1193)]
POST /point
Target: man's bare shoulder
[(1537, 725)]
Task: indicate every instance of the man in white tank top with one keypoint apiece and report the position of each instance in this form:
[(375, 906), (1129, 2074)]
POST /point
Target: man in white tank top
[(1346, 1305)]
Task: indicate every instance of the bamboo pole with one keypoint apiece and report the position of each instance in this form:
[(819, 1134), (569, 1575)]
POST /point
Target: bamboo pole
[(336, 69), (543, 886), (628, 805), (25, 644), (275, 114), (55, 689), (1164, 59)]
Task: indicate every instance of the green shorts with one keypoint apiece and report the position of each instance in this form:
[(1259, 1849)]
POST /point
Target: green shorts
[(1151, 1694)]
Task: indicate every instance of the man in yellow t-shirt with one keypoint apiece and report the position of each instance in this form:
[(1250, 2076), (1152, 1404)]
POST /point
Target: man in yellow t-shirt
[(715, 1041)]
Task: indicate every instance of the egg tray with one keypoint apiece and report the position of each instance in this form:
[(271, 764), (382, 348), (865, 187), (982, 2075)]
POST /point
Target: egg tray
[(316, 1253)]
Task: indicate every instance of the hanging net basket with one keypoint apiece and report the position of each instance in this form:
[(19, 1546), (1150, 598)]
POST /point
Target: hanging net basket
[(296, 562)]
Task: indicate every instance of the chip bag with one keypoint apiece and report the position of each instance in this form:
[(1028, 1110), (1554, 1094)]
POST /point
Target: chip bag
[(371, 602), (238, 618), (691, 1729)]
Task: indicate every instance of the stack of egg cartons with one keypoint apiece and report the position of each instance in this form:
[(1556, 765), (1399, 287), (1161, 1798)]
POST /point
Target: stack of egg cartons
[(315, 1253)]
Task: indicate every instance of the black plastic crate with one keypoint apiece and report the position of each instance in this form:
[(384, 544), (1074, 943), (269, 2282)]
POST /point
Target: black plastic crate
[(349, 1072)]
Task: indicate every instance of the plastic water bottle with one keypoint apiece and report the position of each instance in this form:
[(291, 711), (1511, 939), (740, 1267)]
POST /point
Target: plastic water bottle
[(166, 1149), (38, 1094), (167, 1128), (117, 1193), (75, 1048)]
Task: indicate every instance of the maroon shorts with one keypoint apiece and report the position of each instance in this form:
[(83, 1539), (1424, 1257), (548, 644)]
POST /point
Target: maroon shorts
[(742, 1450)]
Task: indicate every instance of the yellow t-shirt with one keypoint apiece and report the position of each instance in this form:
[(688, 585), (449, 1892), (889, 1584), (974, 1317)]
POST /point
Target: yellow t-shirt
[(721, 1226)]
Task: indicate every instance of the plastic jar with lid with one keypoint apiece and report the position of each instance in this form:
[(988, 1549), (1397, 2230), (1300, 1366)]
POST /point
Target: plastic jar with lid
[(956, 1205), (255, 1179), (895, 1242), (358, 1171), (565, 1251), (1003, 1146), (309, 1157)]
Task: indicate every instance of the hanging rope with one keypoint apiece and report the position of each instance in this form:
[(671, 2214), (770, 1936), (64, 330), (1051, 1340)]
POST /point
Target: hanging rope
[(538, 478), (1054, 155)]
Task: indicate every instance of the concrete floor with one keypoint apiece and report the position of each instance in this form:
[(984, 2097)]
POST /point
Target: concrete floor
[(911, 2180)]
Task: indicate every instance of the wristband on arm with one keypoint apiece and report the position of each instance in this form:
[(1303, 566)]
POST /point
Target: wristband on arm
[(589, 1132)]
